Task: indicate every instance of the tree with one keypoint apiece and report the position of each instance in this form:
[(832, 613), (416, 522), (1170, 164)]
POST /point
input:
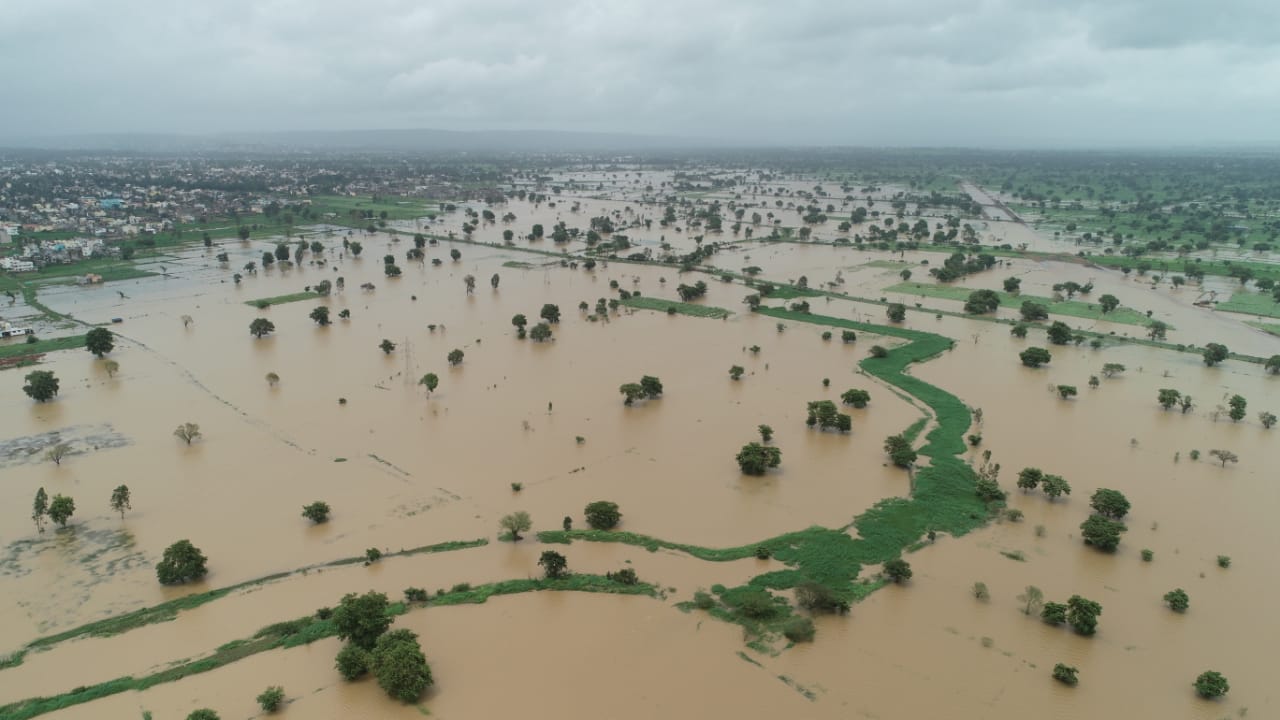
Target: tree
[(824, 415), (99, 341), (756, 459), (1053, 613), (1186, 404), (456, 254), (386, 346), (317, 512), (1237, 404), (1112, 369), (631, 392), (1214, 353), (321, 315), (470, 282), (1059, 333), (1067, 391), (516, 523), (1108, 303), (550, 313), (1111, 503), (766, 433), (121, 500), (818, 598), (61, 508), (735, 372), (391, 270), (1225, 456), (271, 698), (1267, 419), (896, 312), (1211, 684), (399, 665), (1065, 674), (1055, 486), (602, 515), (41, 385), (1033, 311), (187, 432), (651, 385), (519, 321), (1082, 615), (982, 301), (206, 713), (58, 452), (897, 570), (1032, 598), (900, 451), (455, 357), (540, 332), (1157, 330), (856, 398), (553, 564), (1177, 600), (1012, 284), (1030, 478), (260, 327), (1034, 357), (40, 508), (182, 562), (1102, 532), (1168, 397), (362, 619), (1273, 364), (431, 381), (352, 661), (112, 367)]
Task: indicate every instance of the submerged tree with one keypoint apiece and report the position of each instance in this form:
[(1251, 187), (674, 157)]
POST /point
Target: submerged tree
[(58, 452), (553, 564), (41, 385), (897, 570), (317, 512), (1082, 615), (182, 562), (99, 341), (602, 515), (900, 451), (756, 459), (260, 327), (516, 523), (431, 381), (362, 619), (399, 665), (187, 432), (61, 508), (1211, 684), (386, 346), (1032, 598), (121, 500), (40, 508)]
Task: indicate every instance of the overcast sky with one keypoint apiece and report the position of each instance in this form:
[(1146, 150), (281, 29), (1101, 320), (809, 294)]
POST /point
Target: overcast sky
[(887, 72)]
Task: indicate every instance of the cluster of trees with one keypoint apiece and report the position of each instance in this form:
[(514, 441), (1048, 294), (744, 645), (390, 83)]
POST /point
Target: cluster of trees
[(855, 397), (900, 451), (648, 388), (1054, 486), (756, 459), (691, 292), (825, 416), (1102, 529), (393, 656)]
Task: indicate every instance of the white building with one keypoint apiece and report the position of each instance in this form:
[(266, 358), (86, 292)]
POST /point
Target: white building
[(16, 265)]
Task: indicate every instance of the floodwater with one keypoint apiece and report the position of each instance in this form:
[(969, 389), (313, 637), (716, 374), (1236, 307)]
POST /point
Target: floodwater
[(402, 470)]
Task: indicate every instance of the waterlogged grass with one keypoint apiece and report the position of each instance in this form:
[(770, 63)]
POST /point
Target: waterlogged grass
[(1070, 308), (914, 430), (682, 308), (302, 631), (789, 292), (1251, 303), (167, 611), (282, 299), (1271, 328)]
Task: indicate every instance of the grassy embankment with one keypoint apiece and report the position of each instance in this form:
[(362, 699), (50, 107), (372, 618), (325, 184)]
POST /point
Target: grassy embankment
[(1070, 308), (1251, 303), (682, 308), (304, 631), (942, 500), (282, 299)]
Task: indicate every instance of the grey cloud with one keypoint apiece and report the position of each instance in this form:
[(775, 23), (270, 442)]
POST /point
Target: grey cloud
[(919, 72)]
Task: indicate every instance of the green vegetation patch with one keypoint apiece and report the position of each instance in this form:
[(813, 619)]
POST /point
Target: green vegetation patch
[(1070, 308), (1271, 328), (1251, 303), (682, 308), (788, 292), (282, 299), (18, 348), (518, 264)]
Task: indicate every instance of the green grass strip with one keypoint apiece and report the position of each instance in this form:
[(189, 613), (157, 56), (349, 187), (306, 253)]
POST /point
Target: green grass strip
[(282, 299), (300, 632), (18, 348), (167, 611), (1251, 303), (1070, 308), (682, 308)]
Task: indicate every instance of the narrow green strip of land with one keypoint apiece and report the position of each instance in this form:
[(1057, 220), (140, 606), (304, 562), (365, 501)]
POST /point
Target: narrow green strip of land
[(682, 308), (1251, 303), (1070, 308), (282, 299), (18, 348)]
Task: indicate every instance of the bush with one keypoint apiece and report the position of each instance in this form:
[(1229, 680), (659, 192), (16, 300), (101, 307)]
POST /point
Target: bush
[(1177, 600), (980, 591), (625, 576), (799, 629), (818, 598), (703, 600), (1211, 684), (753, 602), (879, 352), (202, 714), (372, 555), (1224, 561), (1147, 555), (352, 661), (1065, 674), (317, 512), (603, 515), (272, 698), (898, 570), (762, 553)]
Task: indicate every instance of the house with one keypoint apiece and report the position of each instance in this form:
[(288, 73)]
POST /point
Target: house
[(8, 331), (16, 265)]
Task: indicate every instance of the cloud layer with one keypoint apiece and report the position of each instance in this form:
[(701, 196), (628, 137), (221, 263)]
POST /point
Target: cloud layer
[(913, 72)]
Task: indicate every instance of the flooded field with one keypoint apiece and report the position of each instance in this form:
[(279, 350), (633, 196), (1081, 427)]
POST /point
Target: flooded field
[(541, 427)]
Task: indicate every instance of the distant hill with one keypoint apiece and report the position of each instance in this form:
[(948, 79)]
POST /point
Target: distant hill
[(367, 140)]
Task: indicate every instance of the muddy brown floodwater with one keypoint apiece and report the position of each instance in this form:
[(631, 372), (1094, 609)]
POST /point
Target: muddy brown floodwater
[(403, 470)]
